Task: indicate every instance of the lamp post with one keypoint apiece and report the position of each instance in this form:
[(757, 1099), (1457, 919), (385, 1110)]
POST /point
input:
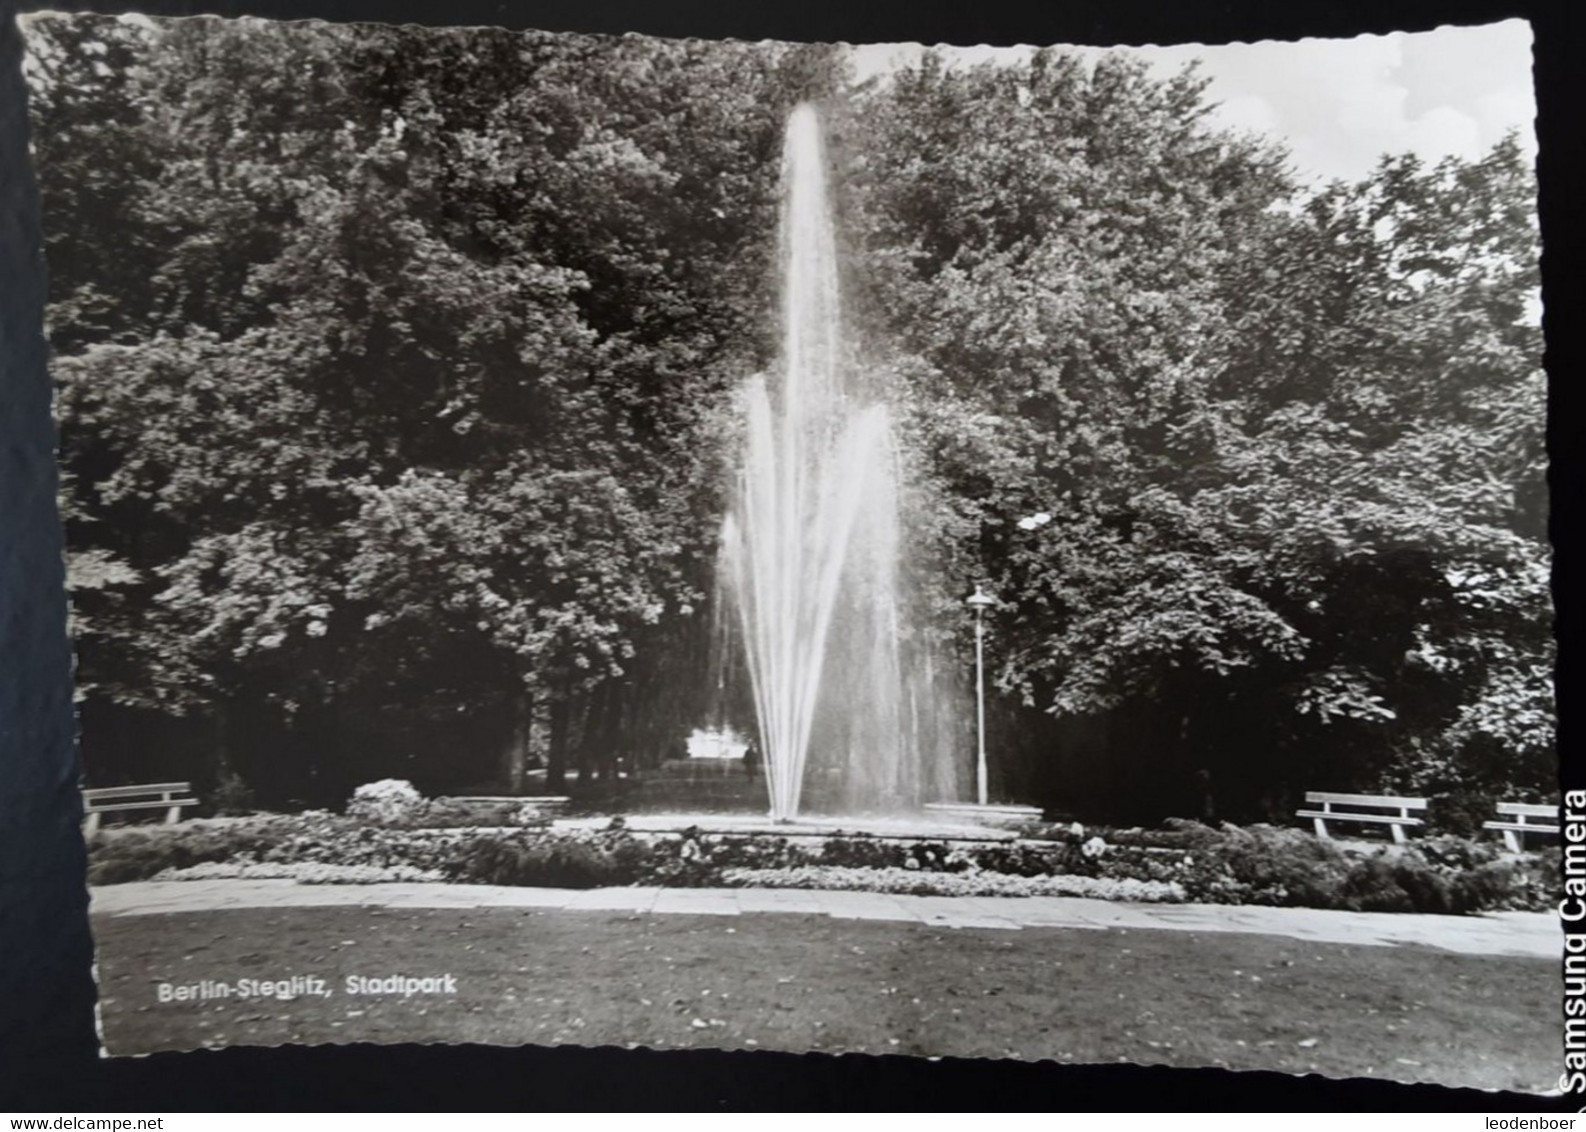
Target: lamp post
[(978, 601)]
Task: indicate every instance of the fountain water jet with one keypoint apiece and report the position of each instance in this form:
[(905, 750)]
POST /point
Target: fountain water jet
[(810, 548)]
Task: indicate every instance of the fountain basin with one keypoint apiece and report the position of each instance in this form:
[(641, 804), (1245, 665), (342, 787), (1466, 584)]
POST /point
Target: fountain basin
[(544, 805), (926, 827), (990, 816)]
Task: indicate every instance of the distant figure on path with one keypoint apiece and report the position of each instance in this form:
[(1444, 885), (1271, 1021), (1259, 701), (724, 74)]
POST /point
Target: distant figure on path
[(1208, 802), (751, 759)]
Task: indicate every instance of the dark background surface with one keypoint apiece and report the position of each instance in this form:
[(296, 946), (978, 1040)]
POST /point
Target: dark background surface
[(48, 1048)]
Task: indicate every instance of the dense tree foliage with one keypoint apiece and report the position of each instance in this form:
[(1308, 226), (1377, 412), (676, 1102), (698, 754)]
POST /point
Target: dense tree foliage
[(395, 394), (1258, 474)]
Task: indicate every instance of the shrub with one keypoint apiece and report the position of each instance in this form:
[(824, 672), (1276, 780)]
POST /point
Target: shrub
[(1174, 833), (762, 852), (1406, 883), (863, 853), (232, 796), (124, 860), (486, 860), (1022, 860), (549, 862), (1454, 853), (1478, 877), (1187, 833), (1459, 812), (387, 802), (1058, 831), (1545, 873), (1371, 886), (1490, 887), (449, 813), (138, 853), (1266, 864), (1428, 890), (1256, 865), (337, 841)]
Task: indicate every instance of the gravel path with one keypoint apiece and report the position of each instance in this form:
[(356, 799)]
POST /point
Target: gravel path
[(1535, 934)]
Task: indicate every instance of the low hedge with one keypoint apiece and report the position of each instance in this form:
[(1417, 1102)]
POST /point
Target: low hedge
[(140, 852), (1227, 865)]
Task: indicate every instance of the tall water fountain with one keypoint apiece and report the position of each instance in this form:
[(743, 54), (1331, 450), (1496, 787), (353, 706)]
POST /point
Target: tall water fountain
[(811, 547)]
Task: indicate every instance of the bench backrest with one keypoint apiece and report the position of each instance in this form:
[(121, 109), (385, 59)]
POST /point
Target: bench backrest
[(1380, 801), (1527, 810), (104, 793)]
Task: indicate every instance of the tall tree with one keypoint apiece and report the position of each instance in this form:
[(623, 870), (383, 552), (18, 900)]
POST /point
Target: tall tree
[(1234, 457)]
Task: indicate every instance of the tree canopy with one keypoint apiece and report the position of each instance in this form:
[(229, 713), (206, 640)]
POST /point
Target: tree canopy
[(397, 368)]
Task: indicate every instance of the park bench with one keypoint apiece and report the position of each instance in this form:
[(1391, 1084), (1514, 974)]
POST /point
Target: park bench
[(1514, 829), (168, 796), (1366, 808)]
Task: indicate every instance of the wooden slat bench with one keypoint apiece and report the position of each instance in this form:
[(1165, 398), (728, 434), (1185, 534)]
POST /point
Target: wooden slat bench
[(171, 797), (1362, 808), (1513, 825)]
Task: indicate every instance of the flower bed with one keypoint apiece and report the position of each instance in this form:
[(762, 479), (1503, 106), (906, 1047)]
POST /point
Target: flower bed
[(143, 852), (909, 882), (1229, 865), (304, 872)]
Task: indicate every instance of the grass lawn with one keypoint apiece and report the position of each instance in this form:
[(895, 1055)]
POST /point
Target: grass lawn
[(792, 982)]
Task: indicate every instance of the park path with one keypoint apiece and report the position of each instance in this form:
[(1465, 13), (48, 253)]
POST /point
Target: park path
[(1533, 934)]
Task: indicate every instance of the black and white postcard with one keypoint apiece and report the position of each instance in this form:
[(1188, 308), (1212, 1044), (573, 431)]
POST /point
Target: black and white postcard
[(989, 552)]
